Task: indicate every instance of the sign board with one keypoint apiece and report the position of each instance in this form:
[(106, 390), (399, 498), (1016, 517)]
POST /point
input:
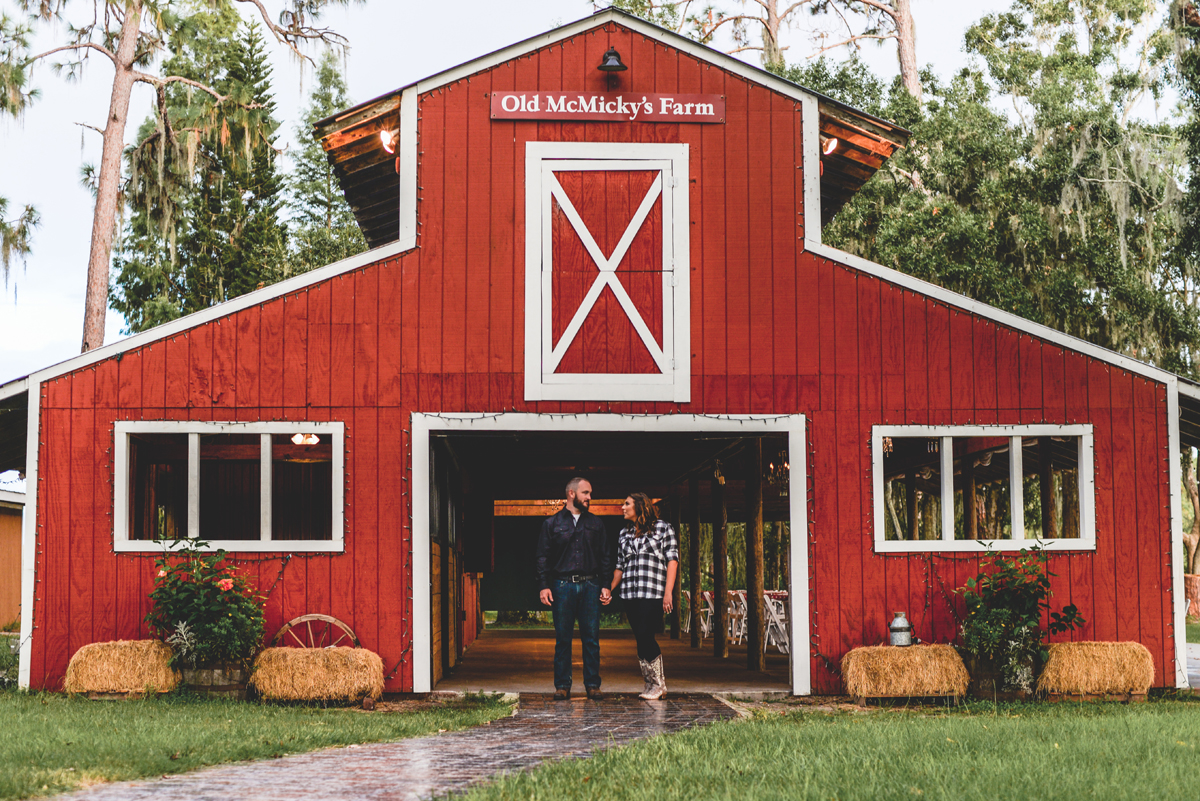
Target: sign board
[(594, 107)]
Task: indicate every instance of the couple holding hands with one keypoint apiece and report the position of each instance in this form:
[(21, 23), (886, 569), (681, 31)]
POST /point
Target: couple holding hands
[(573, 568)]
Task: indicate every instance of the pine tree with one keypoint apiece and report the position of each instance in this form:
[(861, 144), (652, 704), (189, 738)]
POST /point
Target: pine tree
[(324, 228)]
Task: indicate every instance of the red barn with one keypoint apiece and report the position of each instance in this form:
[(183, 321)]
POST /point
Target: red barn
[(611, 272)]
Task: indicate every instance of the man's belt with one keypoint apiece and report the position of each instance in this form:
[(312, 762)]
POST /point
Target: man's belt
[(575, 578)]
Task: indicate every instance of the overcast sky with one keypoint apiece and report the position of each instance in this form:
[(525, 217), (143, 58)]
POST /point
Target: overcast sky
[(393, 43)]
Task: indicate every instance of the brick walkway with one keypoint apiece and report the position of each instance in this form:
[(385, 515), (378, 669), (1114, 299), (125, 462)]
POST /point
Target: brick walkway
[(430, 766)]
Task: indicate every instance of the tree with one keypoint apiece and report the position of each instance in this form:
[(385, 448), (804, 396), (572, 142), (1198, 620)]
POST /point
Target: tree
[(129, 34), (206, 223), (1067, 213), (878, 20), (15, 236), (324, 229)]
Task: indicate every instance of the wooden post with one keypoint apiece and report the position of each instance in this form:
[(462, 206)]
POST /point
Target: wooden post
[(694, 555), (1046, 480), (756, 658), (720, 517), (677, 591), (970, 514), (910, 485)]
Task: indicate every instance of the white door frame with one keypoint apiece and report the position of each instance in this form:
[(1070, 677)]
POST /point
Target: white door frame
[(423, 425)]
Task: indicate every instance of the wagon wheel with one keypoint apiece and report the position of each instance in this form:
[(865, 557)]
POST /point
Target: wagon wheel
[(314, 631)]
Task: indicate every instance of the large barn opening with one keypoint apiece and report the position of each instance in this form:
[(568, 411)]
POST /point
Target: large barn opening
[(728, 493)]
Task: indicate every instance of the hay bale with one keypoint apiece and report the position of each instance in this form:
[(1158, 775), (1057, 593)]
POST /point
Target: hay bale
[(917, 671), (1097, 668), (124, 666), (318, 674)]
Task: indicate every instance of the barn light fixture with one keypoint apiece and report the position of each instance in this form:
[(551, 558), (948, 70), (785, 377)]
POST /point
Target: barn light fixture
[(828, 145), (306, 439), (611, 62), (779, 473), (389, 138)]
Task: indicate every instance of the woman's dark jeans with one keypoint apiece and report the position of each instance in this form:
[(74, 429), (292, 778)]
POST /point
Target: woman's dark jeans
[(576, 601), (645, 615)]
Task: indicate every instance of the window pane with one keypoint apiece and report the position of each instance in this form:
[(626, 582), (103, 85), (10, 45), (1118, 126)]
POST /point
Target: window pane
[(230, 479), (302, 487), (912, 488), (982, 510), (158, 486), (1051, 487)]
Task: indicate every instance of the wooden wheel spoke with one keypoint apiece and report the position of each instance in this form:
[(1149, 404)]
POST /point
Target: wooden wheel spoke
[(339, 639), (311, 644), (299, 641)]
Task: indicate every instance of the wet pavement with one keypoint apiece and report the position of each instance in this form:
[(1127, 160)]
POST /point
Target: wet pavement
[(425, 767)]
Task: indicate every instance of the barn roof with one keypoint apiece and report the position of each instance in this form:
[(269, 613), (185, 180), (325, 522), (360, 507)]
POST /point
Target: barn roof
[(368, 173)]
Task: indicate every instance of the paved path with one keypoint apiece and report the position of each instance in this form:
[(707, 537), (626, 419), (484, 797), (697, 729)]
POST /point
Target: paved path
[(429, 766), (1193, 664)]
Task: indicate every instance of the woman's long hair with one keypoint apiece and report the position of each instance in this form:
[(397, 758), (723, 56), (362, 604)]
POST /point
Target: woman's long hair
[(645, 513)]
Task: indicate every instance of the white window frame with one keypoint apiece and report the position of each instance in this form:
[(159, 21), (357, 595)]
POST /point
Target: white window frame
[(122, 429), (1086, 541), (542, 353)]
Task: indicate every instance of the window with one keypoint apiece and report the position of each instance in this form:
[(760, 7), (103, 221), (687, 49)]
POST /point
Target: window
[(237, 486), (959, 488)]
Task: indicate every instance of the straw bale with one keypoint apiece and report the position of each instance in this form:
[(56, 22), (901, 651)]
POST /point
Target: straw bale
[(882, 671), (1097, 668), (318, 674), (124, 666)]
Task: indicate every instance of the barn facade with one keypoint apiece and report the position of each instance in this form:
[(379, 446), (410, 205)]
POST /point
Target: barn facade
[(618, 273)]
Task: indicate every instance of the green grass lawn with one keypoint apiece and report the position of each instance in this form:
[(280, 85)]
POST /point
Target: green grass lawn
[(1193, 630), (53, 743), (1020, 752)]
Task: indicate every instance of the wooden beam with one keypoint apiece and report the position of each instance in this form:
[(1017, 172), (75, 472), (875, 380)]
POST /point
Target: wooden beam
[(694, 555), (677, 591), (910, 488), (756, 658), (970, 516), (1046, 480), (720, 516)]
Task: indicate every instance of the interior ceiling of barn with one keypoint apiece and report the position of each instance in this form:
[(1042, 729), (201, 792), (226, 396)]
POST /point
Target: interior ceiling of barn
[(533, 464), (14, 414)]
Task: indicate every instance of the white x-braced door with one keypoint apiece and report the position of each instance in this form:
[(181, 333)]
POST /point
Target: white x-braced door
[(606, 278)]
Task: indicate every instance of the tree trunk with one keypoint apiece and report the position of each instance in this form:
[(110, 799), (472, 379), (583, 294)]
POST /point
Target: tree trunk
[(1191, 539), (108, 187), (906, 46), (771, 52)]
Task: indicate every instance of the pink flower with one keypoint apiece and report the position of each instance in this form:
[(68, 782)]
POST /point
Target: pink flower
[(225, 584), (162, 574)]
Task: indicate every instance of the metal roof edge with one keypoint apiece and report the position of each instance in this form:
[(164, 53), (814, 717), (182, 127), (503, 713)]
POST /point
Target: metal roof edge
[(992, 313), (14, 387), (8, 496), (267, 293)]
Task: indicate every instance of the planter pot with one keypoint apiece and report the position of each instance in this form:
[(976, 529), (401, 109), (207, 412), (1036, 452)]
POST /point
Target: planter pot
[(1191, 591), (217, 681), (987, 682)]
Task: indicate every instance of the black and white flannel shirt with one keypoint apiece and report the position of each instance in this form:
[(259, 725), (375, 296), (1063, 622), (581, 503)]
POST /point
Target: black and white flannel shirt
[(643, 560)]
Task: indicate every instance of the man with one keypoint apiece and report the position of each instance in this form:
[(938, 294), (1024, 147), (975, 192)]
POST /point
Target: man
[(574, 568)]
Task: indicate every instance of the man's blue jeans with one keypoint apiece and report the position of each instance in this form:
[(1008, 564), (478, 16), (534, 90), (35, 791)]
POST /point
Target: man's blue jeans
[(576, 601)]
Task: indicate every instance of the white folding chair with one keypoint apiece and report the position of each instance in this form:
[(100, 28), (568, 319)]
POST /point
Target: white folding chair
[(776, 628), (685, 614), (707, 614), (737, 616)]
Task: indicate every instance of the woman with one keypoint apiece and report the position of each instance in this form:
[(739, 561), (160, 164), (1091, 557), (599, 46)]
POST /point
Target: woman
[(647, 563)]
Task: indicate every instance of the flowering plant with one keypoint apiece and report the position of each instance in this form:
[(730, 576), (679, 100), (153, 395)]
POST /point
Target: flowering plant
[(207, 613), (1005, 603)]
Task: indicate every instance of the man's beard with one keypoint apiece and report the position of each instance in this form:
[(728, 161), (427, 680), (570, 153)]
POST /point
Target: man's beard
[(582, 504)]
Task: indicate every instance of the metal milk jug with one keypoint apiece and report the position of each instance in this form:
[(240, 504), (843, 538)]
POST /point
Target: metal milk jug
[(900, 630)]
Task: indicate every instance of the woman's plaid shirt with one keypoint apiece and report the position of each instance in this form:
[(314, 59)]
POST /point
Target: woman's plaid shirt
[(643, 560)]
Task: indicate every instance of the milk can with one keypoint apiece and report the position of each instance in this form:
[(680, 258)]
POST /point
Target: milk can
[(900, 631)]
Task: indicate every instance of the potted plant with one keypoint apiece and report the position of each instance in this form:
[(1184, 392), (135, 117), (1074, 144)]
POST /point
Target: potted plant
[(1002, 633), (209, 615)]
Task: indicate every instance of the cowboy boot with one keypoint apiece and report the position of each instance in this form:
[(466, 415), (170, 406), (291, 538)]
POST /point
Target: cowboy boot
[(647, 676), (659, 690)]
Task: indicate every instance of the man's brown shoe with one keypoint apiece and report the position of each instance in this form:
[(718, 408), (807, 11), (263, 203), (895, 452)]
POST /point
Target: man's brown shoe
[(595, 694), (562, 694)]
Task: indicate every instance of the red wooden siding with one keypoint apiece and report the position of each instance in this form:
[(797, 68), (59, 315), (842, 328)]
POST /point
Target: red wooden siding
[(441, 329)]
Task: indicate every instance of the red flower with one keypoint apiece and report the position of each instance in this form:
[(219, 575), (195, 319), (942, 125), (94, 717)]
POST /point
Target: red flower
[(225, 584)]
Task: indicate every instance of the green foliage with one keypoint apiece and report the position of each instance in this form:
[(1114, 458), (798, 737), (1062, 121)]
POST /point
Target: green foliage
[(204, 610), (1005, 603), (55, 743), (15, 235), (324, 228), (9, 663), (1029, 184)]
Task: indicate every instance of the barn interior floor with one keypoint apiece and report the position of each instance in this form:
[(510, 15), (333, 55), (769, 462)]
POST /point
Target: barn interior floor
[(523, 661)]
